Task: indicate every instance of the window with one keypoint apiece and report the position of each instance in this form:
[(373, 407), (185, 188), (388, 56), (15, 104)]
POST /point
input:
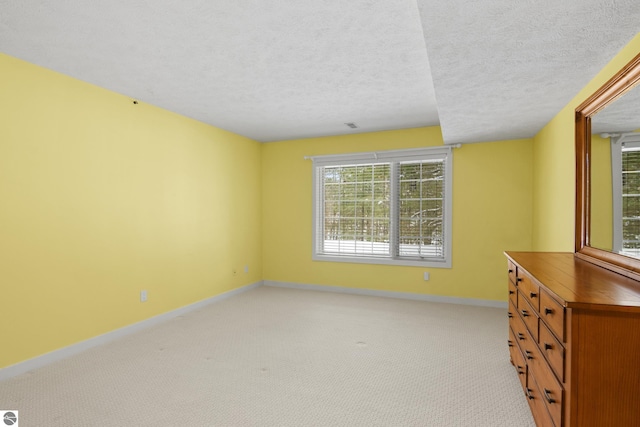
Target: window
[(626, 194), (391, 207)]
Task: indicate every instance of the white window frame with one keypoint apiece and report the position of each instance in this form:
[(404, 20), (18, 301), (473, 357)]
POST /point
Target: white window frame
[(629, 140), (392, 156)]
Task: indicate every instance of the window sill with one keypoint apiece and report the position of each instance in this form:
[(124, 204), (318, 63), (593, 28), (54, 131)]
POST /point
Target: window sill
[(383, 261)]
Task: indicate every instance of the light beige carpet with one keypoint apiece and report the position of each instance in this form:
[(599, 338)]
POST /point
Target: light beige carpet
[(286, 357)]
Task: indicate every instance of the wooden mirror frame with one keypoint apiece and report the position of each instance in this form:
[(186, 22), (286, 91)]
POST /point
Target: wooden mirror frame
[(621, 82)]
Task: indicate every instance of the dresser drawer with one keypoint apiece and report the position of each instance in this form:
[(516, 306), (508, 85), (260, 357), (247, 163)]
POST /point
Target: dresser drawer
[(513, 293), (552, 350), (528, 314), (512, 314), (512, 271), (551, 390), (528, 289), (536, 403), (528, 346), (519, 330), (553, 314), (517, 359)]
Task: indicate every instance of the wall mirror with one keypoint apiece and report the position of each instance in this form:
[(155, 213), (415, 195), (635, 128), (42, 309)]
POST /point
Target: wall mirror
[(608, 174)]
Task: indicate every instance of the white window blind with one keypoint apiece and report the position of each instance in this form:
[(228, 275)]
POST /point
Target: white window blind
[(631, 200), (356, 209), (421, 209), (391, 207)]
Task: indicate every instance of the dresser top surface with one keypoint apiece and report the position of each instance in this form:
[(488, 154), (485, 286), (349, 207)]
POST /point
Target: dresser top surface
[(578, 283)]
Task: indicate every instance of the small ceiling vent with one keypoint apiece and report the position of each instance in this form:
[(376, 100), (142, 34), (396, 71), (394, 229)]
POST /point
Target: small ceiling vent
[(352, 125)]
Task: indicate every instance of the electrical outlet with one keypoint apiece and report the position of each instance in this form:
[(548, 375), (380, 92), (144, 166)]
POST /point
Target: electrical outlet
[(426, 275), (246, 268), (143, 296)]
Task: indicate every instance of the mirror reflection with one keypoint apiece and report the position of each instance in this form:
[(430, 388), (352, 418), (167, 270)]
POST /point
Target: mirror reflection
[(615, 176)]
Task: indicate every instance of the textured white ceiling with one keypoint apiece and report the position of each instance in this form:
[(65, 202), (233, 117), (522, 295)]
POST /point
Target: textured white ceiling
[(275, 69), (623, 115), (503, 69)]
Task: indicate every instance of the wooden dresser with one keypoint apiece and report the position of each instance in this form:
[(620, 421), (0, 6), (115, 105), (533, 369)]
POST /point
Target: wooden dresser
[(574, 339)]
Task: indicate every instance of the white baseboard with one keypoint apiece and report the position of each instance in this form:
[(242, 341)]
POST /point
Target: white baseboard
[(63, 353), (390, 294)]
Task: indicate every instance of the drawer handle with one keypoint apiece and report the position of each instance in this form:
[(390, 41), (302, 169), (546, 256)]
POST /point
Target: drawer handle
[(509, 315), (520, 336), (520, 370), (533, 294), (525, 313), (510, 271), (518, 279), (547, 346), (547, 395), (510, 343), (529, 394), (548, 310), (511, 292), (529, 355)]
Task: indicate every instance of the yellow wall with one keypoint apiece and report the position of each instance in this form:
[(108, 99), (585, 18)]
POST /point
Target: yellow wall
[(100, 198), (491, 203), (554, 165), (601, 193)]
